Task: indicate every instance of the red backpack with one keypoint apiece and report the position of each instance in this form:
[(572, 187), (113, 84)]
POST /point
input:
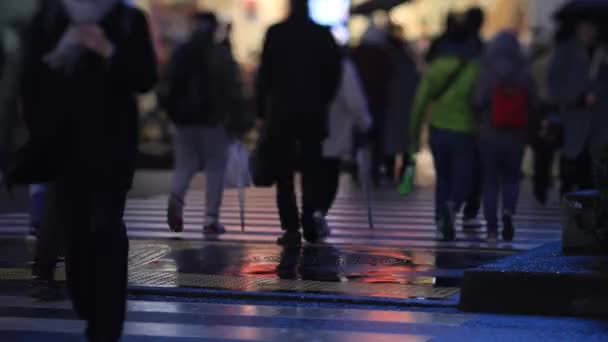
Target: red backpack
[(510, 106)]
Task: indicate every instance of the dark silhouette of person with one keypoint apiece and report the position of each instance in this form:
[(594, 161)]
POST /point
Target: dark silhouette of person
[(84, 64), (298, 78)]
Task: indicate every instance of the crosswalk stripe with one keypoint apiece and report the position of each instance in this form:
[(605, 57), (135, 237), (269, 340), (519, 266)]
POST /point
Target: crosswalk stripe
[(399, 221)]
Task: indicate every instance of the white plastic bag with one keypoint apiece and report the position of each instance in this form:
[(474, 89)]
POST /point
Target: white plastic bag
[(237, 172)]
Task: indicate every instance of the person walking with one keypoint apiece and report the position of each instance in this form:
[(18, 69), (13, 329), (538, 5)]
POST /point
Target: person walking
[(446, 89), (348, 116), (205, 102), (505, 98), (15, 15), (577, 81), (84, 63), (474, 21), (374, 65), (402, 88), (298, 79)]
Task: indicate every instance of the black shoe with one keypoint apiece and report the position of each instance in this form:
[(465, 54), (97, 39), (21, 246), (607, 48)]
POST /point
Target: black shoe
[(175, 214), (508, 230), (317, 230), (290, 239)]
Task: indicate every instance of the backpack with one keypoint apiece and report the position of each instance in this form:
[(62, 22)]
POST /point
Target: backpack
[(510, 106)]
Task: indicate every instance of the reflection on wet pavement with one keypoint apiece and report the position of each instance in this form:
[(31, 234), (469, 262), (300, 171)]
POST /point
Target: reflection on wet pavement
[(322, 262), (400, 257)]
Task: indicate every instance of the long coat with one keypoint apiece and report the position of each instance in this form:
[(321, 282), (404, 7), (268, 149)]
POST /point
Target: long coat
[(90, 116), (572, 75), (402, 89)]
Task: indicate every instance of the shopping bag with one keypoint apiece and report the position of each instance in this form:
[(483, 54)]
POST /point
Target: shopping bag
[(406, 186)]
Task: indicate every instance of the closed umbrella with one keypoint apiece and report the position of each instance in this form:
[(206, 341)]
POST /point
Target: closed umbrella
[(365, 172), (238, 175)]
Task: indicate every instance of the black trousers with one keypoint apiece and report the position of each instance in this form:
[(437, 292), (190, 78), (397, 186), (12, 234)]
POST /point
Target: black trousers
[(97, 255), (293, 152), (544, 155), (577, 174), (473, 203), (330, 182), (51, 238)]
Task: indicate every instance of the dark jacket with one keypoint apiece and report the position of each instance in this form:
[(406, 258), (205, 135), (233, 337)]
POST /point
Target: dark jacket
[(205, 87), (299, 77), (88, 118)]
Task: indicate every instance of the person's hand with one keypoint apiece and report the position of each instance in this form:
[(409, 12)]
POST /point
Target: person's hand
[(399, 166), (93, 38)]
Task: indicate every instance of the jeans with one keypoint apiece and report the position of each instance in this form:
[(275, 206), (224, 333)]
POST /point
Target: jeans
[(502, 157), (196, 149), (304, 152), (454, 157), (473, 203)]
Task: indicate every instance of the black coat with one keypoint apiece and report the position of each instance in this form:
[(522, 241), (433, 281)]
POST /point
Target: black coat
[(89, 118), (299, 77)]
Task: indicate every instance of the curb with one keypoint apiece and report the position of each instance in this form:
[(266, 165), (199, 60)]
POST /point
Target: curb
[(450, 302)]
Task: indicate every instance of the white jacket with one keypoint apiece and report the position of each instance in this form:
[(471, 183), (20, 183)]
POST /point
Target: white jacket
[(348, 112)]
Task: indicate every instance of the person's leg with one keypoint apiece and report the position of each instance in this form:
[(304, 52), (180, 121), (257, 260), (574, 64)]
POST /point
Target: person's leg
[(38, 200), (543, 171), (108, 233), (442, 159), (567, 175), (491, 171), (187, 164), (584, 170), (313, 203), (464, 153), (442, 162), (473, 203), (215, 155), (284, 150), (48, 247), (331, 182), (73, 207), (512, 153), (377, 145)]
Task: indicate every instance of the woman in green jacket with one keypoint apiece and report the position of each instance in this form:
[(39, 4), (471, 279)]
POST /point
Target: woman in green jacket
[(445, 91)]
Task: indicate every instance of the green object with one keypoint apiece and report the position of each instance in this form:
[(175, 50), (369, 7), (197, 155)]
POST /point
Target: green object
[(406, 186), (453, 110)]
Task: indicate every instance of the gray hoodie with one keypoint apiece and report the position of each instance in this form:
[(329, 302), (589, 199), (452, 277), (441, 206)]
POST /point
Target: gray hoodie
[(502, 63)]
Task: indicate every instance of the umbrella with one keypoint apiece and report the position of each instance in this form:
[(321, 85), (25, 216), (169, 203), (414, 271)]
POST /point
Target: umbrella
[(365, 172), (371, 6), (583, 9), (238, 175)]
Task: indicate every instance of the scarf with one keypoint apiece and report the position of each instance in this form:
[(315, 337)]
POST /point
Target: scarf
[(80, 12)]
